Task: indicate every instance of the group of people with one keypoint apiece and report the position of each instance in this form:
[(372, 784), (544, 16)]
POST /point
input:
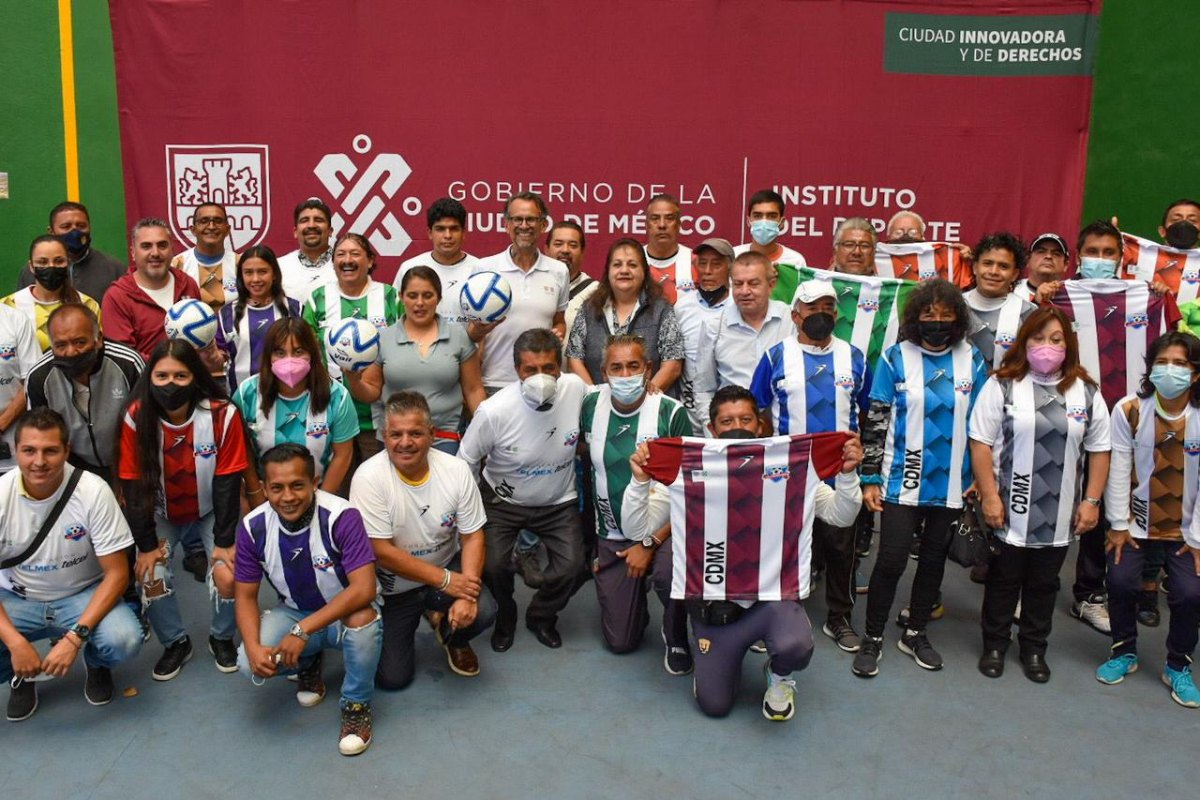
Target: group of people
[(578, 437)]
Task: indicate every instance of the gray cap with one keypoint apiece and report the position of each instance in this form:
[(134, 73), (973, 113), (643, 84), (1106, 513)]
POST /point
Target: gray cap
[(719, 245)]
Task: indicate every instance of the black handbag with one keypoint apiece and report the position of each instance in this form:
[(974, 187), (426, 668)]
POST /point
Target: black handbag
[(972, 541)]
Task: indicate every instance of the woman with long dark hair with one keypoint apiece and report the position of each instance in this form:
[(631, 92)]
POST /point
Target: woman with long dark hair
[(50, 263), (1034, 423), (180, 461), (292, 400), (243, 323), (916, 469)]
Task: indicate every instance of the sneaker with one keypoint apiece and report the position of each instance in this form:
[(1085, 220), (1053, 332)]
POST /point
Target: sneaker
[(355, 736), (862, 585), (1116, 668), (98, 686), (22, 701), (462, 660), (311, 685), (1183, 688), (916, 644), (1094, 612), (676, 660), (779, 700), (938, 611), (528, 566), (840, 631), (197, 564), (866, 661), (758, 647), (173, 658), (224, 653)]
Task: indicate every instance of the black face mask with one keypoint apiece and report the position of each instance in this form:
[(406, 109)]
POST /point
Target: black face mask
[(78, 365), (818, 326), (52, 278), (77, 242), (737, 433), (1182, 235), (936, 334), (713, 296), (173, 396)]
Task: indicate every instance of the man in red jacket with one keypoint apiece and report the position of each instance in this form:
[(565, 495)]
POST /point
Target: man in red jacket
[(135, 307)]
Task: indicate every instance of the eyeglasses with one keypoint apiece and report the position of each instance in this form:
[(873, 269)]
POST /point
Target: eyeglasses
[(523, 221), (204, 222), (61, 263), (856, 246), (913, 232)]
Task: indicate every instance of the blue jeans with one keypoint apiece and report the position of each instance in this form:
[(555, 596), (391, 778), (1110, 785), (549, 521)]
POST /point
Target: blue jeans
[(164, 613), (117, 638), (360, 649)]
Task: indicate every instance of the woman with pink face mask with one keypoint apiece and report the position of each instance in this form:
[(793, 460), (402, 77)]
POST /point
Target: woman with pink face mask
[(1040, 449), (292, 399)]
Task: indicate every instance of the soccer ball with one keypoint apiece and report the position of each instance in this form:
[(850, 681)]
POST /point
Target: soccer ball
[(485, 296), (192, 321), (353, 344)]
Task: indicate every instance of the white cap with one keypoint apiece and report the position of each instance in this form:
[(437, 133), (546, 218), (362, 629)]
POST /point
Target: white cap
[(812, 291)]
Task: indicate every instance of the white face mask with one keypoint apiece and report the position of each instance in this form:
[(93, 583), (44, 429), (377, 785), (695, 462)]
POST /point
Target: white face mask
[(538, 390)]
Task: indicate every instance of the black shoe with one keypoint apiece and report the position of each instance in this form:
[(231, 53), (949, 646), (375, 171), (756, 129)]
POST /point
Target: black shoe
[(502, 636), (677, 660), (866, 660), (1147, 609), (916, 644), (224, 653), (546, 633), (173, 658), (23, 701), (991, 663), (197, 564), (98, 686), (1036, 668)]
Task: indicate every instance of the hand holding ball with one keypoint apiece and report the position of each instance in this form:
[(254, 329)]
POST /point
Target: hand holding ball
[(352, 344)]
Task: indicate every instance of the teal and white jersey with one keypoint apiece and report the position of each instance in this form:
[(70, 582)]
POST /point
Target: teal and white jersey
[(612, 436), (293, 421)]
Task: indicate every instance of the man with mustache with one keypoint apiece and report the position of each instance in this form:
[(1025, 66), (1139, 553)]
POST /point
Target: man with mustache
[(311, 264)]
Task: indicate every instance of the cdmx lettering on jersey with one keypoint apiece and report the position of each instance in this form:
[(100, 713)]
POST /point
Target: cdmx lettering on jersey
[(714, 562), (1141, 512), (1137, 321), (1019, 497), (323, 563), (911, 477), (74, 532), (206, 449), (1077, 413), (317, 430)]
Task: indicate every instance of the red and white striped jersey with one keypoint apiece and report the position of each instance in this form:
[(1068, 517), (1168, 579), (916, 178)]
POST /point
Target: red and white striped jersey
[(920, 261), (1144, 260)]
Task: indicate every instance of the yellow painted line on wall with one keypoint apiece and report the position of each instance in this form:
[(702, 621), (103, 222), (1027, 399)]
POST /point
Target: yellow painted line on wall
[(66, 48)]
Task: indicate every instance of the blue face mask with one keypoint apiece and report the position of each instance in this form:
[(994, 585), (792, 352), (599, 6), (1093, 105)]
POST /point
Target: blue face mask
[(628, 389), (764, 231), (1090, 267), (1170, 380)]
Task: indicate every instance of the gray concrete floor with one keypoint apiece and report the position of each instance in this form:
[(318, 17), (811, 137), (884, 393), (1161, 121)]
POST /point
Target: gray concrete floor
[(582, 723)]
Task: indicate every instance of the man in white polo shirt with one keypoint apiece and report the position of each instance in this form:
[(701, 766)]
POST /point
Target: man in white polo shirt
[(425, 518), (69, 586), (528, 433), (540, 288)]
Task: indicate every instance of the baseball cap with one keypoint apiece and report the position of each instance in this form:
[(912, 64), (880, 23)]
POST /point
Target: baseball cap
[(719, 245), (1053, 237), (812, 291)]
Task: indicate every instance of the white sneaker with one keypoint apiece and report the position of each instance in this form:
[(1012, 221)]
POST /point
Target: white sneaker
[(1094, 612), (779, 700)]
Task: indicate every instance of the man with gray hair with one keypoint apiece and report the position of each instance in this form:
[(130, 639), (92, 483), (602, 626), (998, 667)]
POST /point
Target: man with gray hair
[(135, 307), (854, 247)]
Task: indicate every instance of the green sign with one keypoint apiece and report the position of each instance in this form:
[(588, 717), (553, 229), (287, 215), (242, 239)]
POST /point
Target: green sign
[(942, 44)]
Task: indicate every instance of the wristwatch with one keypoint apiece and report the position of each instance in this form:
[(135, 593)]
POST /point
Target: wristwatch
[(82, 631), (650, 542), (1093, 500), (298, 632)]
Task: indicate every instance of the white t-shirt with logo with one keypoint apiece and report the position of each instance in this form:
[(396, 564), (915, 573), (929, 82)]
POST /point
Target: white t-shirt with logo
[(19, 351), (537, 295), (452, 278), (90, 525), (423, 521), (530, 454)]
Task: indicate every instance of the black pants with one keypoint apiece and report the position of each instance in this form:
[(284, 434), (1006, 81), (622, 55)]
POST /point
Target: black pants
[(558, 528), (896, 529), (1125, 584), (623, 608), (1091, 563), (1027, 574), (836, 548)]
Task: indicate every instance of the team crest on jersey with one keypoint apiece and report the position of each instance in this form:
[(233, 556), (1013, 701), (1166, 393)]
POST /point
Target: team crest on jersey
[(777, 473), (648, 437), (1077, 413), (869, 306), (1191, 276), (844, 381), (1005, 340), (571, 439), (317, 430), (1136, 321), (449, 520), (963, 386), (323, 563), (686, 286), (206, 449), (378, 322), (1191, 446), (75, 532), (7, 352), (234, 175)]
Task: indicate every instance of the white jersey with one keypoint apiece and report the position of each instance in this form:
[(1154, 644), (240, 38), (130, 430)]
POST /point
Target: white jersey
[(424, 521), (537, 295), (674, 274), (452, 278), (66, 563), (19, 351), (187, 263), (530, 454), (299, 279)]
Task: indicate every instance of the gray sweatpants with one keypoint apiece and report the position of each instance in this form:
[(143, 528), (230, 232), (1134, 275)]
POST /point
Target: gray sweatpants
[(623, 612)]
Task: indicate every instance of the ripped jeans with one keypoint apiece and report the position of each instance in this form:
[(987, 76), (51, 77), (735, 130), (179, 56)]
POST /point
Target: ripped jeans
[(360, 649), (164, 613)]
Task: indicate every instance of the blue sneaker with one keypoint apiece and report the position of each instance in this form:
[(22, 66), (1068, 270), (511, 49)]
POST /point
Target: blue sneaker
[(1116, 668), (1183, 688)]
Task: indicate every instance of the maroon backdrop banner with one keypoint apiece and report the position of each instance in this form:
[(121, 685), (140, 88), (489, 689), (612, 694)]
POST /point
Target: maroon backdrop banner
[(973, 114)]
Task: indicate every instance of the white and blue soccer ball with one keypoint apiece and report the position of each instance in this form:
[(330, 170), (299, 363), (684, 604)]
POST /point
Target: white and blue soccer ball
[(193, 321), (485, 296), (352, 344)]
